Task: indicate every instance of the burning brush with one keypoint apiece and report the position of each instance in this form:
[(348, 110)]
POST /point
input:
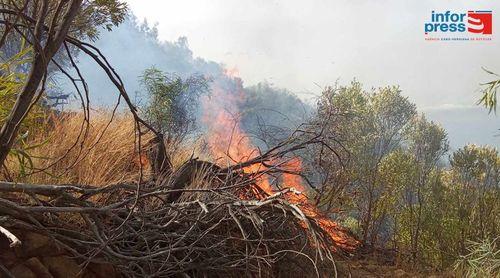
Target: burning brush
[(200, 220), (246, 215), (229, 143)]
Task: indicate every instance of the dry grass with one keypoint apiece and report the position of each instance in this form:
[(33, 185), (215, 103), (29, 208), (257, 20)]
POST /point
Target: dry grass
[(195, 148), (106, 155)]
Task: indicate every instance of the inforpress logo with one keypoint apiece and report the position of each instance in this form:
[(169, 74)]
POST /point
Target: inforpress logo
[(472, 25)]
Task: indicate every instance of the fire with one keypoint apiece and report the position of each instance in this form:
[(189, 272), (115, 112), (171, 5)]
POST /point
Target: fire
[(293, 180), (226, 139)]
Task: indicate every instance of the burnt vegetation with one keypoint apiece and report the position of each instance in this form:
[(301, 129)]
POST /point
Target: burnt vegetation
[(257, 183)]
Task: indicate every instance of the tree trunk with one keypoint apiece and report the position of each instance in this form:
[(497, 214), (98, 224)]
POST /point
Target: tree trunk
[(41, 58), (21, 108)]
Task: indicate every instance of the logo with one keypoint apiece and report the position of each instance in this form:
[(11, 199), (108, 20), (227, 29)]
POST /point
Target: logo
[(480, 22), (452, 23)]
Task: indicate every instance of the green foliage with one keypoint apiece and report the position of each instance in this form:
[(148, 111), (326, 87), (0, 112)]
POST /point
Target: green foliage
[(92, 16), (483, 259), (11, 81), (171, 106), (352, 224), (402, 193), (475, 175), (489, 97), (397, 170), (427, 141), (461, 204), (99, 13), (371, 127), (22, 154)]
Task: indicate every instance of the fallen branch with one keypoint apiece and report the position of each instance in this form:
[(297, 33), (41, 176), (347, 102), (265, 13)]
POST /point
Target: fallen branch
[(222, 234), (14, 241)]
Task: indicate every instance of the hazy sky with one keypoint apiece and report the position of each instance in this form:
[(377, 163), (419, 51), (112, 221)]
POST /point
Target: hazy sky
[(305, 45)]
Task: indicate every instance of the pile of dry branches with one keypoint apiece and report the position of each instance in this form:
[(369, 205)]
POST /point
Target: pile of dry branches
[(200, 220)]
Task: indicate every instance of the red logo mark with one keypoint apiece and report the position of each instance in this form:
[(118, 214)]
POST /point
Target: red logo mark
[(480, 22)]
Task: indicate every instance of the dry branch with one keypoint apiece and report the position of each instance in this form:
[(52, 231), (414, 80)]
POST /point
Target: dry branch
[(220, 223), (14, 241)]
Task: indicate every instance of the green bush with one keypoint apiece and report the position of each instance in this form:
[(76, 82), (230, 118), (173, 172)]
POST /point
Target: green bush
[(483, 259)]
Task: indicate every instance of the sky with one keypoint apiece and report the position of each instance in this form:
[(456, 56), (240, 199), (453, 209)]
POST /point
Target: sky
[(306, 45)]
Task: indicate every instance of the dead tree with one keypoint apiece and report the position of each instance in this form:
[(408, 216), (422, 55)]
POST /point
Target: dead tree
[(158, 158)]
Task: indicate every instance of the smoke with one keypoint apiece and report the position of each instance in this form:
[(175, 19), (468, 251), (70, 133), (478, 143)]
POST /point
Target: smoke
[(133, 47), (271, 114)]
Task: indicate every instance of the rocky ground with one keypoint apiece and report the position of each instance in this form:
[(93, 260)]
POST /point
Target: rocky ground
[(38, 256)]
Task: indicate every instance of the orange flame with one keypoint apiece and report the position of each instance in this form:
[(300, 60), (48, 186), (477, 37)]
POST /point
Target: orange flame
[(293, 180), (227, 140)]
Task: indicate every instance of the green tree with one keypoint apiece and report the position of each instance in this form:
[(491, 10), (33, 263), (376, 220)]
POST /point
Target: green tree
[(46, 25), (427, 143), (370, 126), (172, 102), (475, 177), (387, 116), (460, 205), (397, 170), (339, 114)]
